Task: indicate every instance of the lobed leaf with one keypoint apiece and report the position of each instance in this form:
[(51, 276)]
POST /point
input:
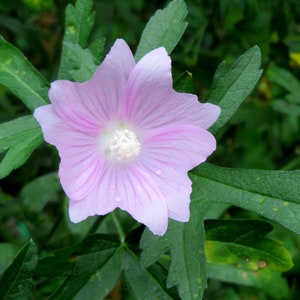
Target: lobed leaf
[(77, 62), (18, 138), (272, 194), (16, 282), (186, 244), (232, 85), (18, 74), (81, 63), (164, 29)]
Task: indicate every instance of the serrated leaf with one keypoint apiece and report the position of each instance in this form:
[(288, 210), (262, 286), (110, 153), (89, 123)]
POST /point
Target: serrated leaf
[(81, 61), (37, 193), (272, 194), (16, 282), (79, 22), (18, 138), (267, 280), (164, 29), (77, 62), (17, 73), (186, 244), (242, 243), (140, 281), (231, 86)]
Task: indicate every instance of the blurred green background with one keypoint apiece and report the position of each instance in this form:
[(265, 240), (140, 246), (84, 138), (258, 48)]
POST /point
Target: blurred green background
[(263, 134)]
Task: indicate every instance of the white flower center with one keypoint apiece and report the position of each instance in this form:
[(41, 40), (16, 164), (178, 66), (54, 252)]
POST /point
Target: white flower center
[(123, 145)]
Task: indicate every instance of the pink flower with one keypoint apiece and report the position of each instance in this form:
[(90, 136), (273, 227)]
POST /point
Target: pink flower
[(126, 139)]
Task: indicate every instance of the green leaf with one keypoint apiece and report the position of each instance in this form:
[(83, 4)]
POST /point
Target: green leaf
[(79, 22), (140, 281), (242, 243), (284, 78), (17, 73), (186, 244), (104, 279), (164, 29), (285, 107), (18, 138), (37, 193), (272, 194), (93, 267), (267, 280), (77, 62), (83, 63), (85, 265), (232, 85), (8, 252), (184, 83), (16, 282)]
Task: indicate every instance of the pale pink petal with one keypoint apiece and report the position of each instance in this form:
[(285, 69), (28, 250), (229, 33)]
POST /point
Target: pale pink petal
[(80, 162), (151, 102), (168, 154), (180, 146), (86, 106), (175, 186), (109, 81), (72, 103), (130, 189), (185, 108)]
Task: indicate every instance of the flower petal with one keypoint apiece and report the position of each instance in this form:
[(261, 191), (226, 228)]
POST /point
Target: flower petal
[(175, 186), (86, 106), (151, 102), (81, 163), (180, 146), (129, 189)]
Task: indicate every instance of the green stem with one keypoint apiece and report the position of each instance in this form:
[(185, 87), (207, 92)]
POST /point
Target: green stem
[(120, 230)]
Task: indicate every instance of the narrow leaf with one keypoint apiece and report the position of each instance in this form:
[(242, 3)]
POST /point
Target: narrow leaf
[(18, 138), (84, 265), (141, 282), (267, 280), (272, 194), (17, 73), (164, 29), (231, 86), (104, 279), (16, 282)]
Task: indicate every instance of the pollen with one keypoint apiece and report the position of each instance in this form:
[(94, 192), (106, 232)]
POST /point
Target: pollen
[(124, 145)]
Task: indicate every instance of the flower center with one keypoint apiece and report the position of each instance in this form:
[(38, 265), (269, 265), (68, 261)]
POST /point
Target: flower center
[(124, 145)]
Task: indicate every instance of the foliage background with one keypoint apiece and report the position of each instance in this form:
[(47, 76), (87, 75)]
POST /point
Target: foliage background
[(263, 134)]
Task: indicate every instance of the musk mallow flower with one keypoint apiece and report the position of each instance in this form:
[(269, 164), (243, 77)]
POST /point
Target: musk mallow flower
[(127, 139)]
